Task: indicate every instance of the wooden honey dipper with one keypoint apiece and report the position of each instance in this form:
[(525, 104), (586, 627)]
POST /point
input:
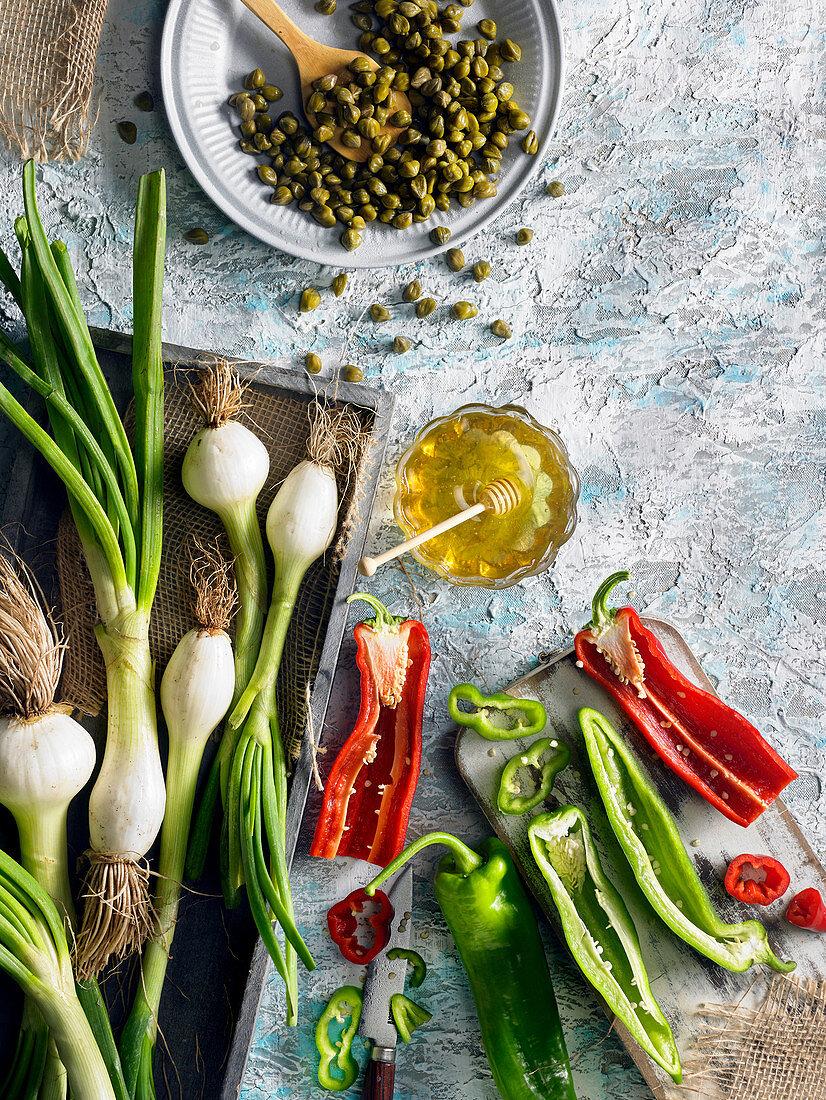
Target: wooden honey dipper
[(500, 497)]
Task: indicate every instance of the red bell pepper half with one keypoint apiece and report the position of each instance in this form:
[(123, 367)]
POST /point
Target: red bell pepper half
[(712, 747), (756, 880), (807, 910), (371, 785), (343, 923)]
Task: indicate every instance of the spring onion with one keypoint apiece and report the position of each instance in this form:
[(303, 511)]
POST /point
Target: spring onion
[(116, 500), (196, 692), (224, 469)]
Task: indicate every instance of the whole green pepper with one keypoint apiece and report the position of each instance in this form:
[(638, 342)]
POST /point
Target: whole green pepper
[(648, 835), (497, 717), (511, 799), (345, 1003), (599, 929), (494, 927)]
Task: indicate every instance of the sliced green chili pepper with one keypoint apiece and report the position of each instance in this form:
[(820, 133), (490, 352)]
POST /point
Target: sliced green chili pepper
[(511, 799), (599, 929), (648, 835), (497, 717), (415, 960), (345, 1002), (407, 1015)]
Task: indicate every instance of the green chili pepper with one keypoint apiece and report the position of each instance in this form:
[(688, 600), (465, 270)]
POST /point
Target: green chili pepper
[(407, 1015), (648, 835), (494, 926), (511, 799), (599, 929), (345, 1002), (497, 717), (415, 960)]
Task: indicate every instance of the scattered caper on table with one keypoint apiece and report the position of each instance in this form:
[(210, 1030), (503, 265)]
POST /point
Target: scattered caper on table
[(144, 101), (401, 344), (412, 292), (197, 235), (351, 373), (502, 329), (455, 259), (312, 362), (128, 132), (556, 189), (310, 299), (462, 311), (325, 7), (425, 306), (339, 283), (524, 236), (481, 270), (379, 312)]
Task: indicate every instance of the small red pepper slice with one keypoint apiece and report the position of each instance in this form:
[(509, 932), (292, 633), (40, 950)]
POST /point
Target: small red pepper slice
[(713, 748), (756, 880), (807, 910), (341, 920)]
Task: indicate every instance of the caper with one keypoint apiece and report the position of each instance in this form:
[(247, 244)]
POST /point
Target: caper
[(462, 311), (198, 235), (128, 132), (400, 119), (401, 344), (248, 148), (351, 373), (363, 22), (310, 299), (455, 259), (524, 236), (259, 102), (316, 102), (425, 307), (403, 220), (255, 79), (248, 129), (339, 283), (484, 190), (351, 239), (379, 313), (271, 92), (556, 189), (245, 108), (487, 29), (267, 175), (530, 142), (440, 234), (324, 216), (509, 51), (144, 101), (325, 7), (481, 270), (412, 291), (501, 329), (312, 362), (281, 196)]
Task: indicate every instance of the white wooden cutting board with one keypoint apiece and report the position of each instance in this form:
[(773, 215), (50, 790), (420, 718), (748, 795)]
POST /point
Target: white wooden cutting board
[(682, 980)]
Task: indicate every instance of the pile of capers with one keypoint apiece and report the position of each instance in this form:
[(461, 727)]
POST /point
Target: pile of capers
[(450, 149)]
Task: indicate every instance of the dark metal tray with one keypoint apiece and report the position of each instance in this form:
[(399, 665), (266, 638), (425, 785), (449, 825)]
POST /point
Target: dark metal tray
[(218, 967)]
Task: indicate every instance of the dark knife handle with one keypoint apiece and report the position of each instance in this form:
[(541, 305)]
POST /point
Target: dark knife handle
[(381, 1075)]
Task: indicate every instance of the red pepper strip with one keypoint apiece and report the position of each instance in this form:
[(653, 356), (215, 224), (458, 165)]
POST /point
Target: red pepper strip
[(341, 920), (373, 780), (715, 749), (807, 910), (757, 880)]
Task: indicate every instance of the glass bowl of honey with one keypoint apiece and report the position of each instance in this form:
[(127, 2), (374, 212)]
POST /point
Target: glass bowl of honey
[(448, 466)]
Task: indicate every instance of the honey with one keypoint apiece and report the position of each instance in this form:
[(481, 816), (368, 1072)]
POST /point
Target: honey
[(448, 466)]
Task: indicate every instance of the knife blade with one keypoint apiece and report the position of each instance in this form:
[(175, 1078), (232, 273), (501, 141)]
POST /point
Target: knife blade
[(384, 978)]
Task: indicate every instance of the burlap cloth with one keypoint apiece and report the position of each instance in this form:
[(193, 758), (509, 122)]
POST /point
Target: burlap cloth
[(47, 68), (280, 419), (776, 1051)]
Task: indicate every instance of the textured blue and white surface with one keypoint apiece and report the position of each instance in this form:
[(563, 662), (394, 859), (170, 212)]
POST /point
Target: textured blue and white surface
[(668, 320)]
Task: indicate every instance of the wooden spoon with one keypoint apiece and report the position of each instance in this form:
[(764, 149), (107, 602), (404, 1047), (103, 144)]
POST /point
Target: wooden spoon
[(315, 60)]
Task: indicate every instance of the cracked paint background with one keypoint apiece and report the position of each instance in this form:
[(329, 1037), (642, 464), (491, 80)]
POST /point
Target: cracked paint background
[(668, 320)]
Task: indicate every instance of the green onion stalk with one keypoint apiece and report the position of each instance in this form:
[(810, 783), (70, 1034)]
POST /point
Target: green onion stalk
[(224, 469), (196, 692), (301, 524), (34, 952), (115, 495)]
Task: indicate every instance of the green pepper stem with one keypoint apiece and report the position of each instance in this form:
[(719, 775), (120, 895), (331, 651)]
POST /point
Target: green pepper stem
[(466, 859), (600, 615), (383, 620)]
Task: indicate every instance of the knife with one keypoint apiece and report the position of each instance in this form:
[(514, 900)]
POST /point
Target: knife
[(384, 978)]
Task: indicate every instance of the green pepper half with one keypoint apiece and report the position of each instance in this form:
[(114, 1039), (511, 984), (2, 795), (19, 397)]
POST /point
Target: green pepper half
[(497, 717), (599, 929), (512, 798), (648, 835), (407, 1015), (345, 1003)]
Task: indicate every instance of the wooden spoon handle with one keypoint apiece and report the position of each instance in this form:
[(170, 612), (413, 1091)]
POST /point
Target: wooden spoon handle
[(271, 15), (368, 566)]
